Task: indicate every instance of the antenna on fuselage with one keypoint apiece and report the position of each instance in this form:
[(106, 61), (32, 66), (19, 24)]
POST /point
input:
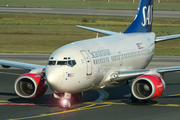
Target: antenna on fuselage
[(97, 35)]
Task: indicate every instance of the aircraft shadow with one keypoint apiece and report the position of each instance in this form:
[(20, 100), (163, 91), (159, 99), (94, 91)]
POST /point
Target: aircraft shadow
[(45, 100), (122, 94), (119, 94), (8, 94)]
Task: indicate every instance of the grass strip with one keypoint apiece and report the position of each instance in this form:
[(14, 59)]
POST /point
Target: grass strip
[(99, 4), (32, 33)]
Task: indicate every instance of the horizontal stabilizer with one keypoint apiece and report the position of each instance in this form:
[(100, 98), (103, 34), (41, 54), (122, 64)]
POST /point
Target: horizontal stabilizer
[(106, 32), (169, 37)]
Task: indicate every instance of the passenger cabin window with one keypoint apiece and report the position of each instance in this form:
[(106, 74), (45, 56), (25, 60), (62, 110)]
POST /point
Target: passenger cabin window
[(69, 63), (52, 63)]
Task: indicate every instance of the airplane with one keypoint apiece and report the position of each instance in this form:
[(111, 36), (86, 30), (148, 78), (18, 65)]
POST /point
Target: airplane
[(100, 63)]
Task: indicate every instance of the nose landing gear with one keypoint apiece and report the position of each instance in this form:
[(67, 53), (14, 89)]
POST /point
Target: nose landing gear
[(65, 101)]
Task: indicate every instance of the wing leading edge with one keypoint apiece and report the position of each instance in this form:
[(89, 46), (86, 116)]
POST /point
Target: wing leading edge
[(127, 75), (21, 65)]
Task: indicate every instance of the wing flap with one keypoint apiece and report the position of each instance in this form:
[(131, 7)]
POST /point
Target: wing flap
[(169, 37), (106, 32), (21, 65)]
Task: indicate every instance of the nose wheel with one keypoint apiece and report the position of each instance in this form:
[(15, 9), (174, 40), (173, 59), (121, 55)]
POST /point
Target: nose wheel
[(65, 100), (65, 103)]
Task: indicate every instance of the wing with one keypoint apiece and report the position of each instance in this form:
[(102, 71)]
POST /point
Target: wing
[(27, 66), (116, 76), (169, 37), (106, 32)]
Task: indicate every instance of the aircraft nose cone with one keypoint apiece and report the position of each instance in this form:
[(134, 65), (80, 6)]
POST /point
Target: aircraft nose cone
[(55, 77)]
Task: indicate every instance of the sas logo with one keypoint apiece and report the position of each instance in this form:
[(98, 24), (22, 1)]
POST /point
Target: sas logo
[(139, 45), (147, 15)]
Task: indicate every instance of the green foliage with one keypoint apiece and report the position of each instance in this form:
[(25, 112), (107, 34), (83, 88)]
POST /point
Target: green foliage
[(85, 20)]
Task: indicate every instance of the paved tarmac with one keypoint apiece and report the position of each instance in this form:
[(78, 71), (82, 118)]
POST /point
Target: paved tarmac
[(91, 12), (117, 104)]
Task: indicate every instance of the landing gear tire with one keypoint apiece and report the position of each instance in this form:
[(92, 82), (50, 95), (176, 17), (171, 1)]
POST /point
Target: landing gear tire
[(133, 99), (77, 97)]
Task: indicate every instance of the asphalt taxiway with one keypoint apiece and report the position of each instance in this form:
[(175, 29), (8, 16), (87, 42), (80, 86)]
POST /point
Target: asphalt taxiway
[(116, 103), (91, 12)]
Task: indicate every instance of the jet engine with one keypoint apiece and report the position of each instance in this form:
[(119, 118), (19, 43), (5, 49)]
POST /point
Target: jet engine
[(148, 87), (30, 85)]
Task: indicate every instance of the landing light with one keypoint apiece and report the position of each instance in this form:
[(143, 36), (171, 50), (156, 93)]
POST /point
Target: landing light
[(64, 101)]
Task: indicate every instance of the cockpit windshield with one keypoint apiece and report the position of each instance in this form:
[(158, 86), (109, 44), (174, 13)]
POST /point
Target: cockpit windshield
[(69, 63), (62, 63), (52, 63)]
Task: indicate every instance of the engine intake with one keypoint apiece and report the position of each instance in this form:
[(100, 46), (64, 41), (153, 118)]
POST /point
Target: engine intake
[(148, 87), (30, 85)]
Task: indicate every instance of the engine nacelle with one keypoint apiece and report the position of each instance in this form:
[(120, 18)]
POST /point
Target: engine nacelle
[(30, 85), (147, 87)]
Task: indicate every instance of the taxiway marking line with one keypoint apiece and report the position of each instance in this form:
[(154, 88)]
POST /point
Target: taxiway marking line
[(4, 101), (10, 73), (113, 103), (173, 95), (107, 95), (103, 95), (92, 106), (21, 104)]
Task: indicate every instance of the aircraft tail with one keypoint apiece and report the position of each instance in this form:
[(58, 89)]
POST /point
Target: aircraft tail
[(143, 18)]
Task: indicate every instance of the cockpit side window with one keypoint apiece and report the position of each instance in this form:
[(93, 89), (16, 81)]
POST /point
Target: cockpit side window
[(52, 63), (73, 62)]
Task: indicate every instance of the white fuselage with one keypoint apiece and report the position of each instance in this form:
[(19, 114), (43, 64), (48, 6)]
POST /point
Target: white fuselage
[(89, 61)]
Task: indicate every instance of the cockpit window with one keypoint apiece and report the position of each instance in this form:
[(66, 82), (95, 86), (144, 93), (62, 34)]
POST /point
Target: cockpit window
[(69, 63), (52, 63), (73, 62), (62, 63)]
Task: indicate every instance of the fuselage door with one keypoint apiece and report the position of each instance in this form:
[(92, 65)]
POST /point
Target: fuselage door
[(120, 59), (88, 62)]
